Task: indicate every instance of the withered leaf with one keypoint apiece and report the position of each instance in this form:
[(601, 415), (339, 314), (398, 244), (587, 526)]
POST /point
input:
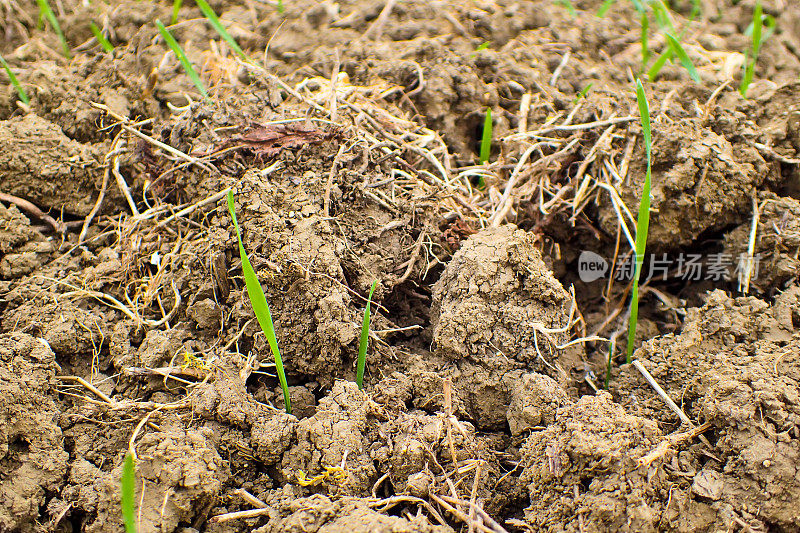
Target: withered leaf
[(269, 140)]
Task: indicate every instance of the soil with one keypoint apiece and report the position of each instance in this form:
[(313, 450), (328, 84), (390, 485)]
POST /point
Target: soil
[(497, 394)]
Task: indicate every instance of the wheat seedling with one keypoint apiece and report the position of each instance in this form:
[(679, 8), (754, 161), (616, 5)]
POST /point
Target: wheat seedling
[(45, 9), (107, 46), (362, 345), (187, 66), (128, 493), (176, 7), (757, 38), (643, 221), (260, 307), (23, 96), (486, 138), (214, 21)]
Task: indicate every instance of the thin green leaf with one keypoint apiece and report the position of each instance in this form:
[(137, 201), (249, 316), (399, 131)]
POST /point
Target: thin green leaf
[(755, 48), (260, 307), (107, 47), (659, 63), (583, 93), (486, 138), (23, 96), (611, 346), (695, 10), (215, 22), (362, 345), (661, 13), (644, 41), (281, 9), (605, 7), (683, 57), (45, 10), (568, 4), (643, 220), (187, 66), (176, 7), (128, 493)]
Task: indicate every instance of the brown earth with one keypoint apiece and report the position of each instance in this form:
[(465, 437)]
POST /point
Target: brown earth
[(351, 143)]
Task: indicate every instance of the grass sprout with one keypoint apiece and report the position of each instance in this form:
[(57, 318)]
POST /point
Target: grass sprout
[(643, 220), (758, 36), (362, 345), (260, 307), (176, 7), (678, 50), (645, 46), (486, 138), (107, 46), (23, 96), (47, 12), (568, 5), (215, 22), (128, 493), (176, 48), (605, 7), (583, 94)]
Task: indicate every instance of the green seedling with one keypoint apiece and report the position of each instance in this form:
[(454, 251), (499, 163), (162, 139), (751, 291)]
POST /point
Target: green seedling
[(643, 220), (611, 345), (584, 92), (652, 74), (128, 493), (260, 307), (486, 138), (758, 36), (217, 25), (678, 50), (187, 66), (605, 7), (644, 40), (281, 8), (176, 7), (23, 96), (568, 4), (362, 345), (46, 12), (107, 47), (482, 46)]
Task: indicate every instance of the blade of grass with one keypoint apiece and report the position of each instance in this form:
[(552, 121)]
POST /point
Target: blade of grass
[(128, 493), (281, 8), (45, 10), (568, 4), (583, 93), (659, 64), (486, 138), (23, 96), (611, 346), (187, 66), (362, 345), (643, 220), (678, 50), (643, 39), (176, 7), (750, 60), (214, 21), (661, 14), (260, 307), (107, 47), (605, 7)]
